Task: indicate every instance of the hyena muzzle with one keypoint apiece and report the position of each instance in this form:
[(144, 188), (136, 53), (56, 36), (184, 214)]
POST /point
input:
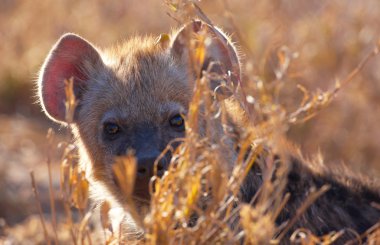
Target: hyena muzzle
[(133, 97)]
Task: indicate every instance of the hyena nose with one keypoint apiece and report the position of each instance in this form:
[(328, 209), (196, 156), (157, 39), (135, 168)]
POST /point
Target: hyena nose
[(145, 171), (146, 167)]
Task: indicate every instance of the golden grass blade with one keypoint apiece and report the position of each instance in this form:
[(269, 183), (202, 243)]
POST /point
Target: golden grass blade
[(50, 138), (124, 169), (70, 102), (80, 193), (38, 202)]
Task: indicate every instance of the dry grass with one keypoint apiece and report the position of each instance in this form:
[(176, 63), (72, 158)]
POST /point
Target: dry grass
[(286, 44)]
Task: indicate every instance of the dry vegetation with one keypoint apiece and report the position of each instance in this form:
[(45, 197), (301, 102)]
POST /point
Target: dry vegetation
[(306, 77)]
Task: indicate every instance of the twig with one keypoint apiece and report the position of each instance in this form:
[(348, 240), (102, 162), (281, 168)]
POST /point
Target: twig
[(360, 67), (38, 202), (50, 137), (312, 107), (365, 234)]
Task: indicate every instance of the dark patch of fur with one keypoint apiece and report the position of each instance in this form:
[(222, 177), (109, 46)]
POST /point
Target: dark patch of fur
[(346, 205)]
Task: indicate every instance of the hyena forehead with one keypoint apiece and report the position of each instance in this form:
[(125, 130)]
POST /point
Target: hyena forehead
[(143, 64), (140, 80)]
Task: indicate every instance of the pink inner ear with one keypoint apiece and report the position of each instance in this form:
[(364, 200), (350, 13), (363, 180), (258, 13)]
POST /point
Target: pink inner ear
[(66, 60)]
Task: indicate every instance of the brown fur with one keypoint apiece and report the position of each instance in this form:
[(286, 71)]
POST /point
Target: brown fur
[(140, 84)]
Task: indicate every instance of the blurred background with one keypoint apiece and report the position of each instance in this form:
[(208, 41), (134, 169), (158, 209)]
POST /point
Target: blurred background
[(330, 38)]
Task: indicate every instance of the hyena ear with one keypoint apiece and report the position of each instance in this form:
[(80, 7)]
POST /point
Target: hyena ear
[(220, 52), (71, 57)]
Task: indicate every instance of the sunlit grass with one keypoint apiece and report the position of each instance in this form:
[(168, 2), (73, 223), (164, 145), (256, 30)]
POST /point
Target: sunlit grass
[(202, 182)]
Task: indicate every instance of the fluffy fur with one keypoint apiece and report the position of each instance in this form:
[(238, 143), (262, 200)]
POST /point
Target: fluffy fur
[(139, 85)]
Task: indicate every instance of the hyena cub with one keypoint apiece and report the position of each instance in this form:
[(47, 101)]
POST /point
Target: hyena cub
[(134, 96)]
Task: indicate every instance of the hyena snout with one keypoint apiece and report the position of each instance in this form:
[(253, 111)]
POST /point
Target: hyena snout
[(148, 165)]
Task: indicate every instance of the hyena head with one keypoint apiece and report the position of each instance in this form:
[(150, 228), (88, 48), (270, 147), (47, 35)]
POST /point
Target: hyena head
[(130, 97)]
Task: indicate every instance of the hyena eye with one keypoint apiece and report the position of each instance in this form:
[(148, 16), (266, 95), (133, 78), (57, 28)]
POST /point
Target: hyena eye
[(178, 122), (111, 128)]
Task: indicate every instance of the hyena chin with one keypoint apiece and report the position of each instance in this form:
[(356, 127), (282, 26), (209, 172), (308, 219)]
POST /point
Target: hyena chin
[(133, 96)]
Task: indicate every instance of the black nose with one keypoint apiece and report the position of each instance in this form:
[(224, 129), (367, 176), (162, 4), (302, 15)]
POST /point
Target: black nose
[(146, 167), (145, 170)]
